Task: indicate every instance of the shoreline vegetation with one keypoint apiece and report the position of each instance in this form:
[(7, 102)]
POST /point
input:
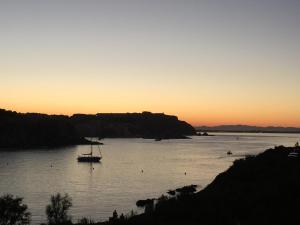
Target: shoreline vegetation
[(261, 189), (32, 130)]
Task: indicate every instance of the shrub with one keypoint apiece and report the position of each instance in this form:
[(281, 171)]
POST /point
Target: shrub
[(13, 211), (84, 221), (57, 210)]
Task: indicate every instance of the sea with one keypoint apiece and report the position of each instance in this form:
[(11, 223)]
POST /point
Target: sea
[(130, 170)]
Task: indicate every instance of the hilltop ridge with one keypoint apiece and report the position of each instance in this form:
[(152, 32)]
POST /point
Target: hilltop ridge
[(26, 130), (129, 125)]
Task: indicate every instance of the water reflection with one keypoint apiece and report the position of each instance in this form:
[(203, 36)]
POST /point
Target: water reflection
[(131, 169)]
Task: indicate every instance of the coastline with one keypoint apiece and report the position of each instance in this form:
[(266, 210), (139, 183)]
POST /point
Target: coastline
[(251, 180)]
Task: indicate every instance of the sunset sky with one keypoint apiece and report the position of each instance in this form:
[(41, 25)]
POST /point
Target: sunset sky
[(208, 62)]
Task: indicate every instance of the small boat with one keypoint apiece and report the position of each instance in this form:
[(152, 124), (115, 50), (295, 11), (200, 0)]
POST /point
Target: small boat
[(229, 153), (89, 157)]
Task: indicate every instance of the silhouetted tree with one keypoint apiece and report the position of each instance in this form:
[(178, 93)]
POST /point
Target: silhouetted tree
[(13, 211), (122, 217), (114, 216), (57, 210)]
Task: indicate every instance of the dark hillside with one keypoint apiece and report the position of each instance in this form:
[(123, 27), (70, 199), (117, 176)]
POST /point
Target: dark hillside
[(18, 130), (126, 125), (26, 130)]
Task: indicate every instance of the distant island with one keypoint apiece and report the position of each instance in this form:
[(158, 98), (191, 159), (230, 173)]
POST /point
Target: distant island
[(246, 128), (131, 125), (26, 130)]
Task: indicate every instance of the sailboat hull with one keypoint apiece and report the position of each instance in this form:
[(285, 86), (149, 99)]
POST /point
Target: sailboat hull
[(88, 159)]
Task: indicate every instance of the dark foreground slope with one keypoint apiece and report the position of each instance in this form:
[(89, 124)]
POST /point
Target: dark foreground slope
[(18, 130), (264, 189)]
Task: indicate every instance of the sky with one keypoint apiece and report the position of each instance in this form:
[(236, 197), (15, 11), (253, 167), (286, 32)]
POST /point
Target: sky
[(209, 62)]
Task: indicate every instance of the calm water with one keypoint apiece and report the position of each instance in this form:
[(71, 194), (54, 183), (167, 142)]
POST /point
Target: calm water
[(117, 182)]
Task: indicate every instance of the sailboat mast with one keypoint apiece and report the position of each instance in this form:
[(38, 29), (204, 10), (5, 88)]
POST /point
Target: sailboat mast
[(91, 150), (91, 147)]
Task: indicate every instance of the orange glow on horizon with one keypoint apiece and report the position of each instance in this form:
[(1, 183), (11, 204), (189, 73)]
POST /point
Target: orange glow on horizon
[(194, 120), (250, 121)]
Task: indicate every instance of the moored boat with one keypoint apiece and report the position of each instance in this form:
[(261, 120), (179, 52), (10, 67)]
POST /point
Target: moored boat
[(89, 157)]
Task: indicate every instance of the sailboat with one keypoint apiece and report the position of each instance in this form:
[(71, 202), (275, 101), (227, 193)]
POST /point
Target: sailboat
[(89, 157)]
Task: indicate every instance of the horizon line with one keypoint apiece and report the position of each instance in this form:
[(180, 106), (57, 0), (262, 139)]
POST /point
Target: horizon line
[(143, 111)]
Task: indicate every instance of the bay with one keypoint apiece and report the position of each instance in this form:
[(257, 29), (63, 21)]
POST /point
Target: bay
[(131, 169)]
